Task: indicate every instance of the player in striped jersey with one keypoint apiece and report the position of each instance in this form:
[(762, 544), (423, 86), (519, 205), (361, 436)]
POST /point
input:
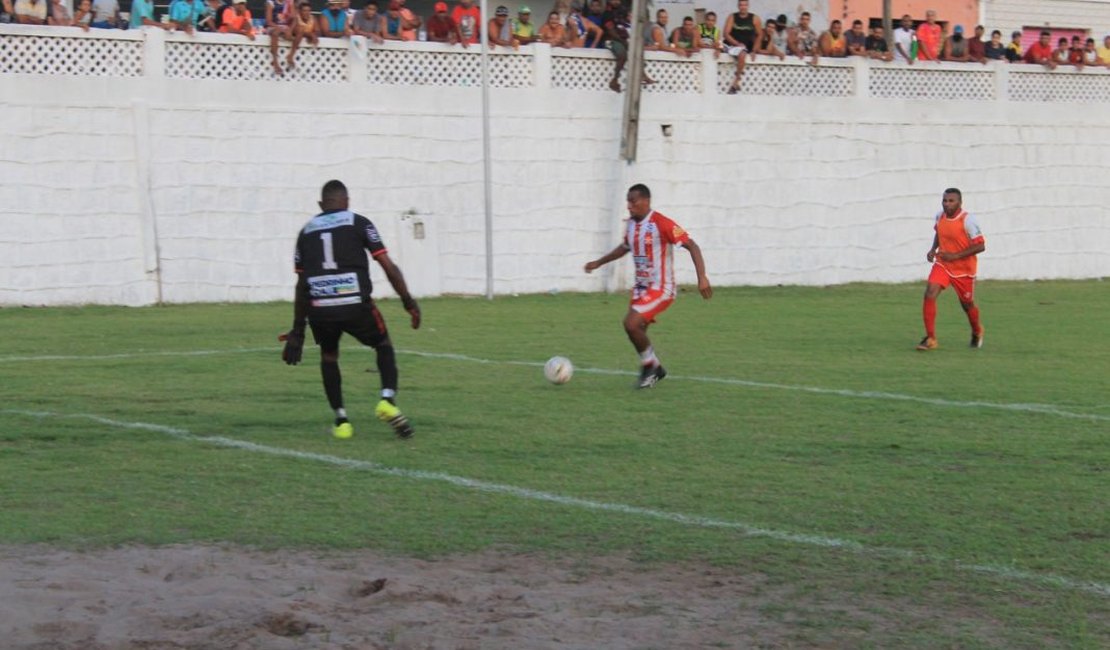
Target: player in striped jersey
[(956, 244), (651, 238)]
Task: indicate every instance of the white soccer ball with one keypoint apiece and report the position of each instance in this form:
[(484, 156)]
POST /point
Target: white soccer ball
[(558, 370)]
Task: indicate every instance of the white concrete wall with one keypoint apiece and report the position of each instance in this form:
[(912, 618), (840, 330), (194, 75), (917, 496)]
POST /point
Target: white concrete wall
[(1009, 15), (133, 190)]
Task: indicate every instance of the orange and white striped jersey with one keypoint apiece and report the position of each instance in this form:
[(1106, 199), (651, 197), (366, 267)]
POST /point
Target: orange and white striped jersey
[(651, 241), (954, 235)]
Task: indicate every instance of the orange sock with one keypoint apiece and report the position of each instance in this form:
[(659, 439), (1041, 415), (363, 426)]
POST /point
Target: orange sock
[(973, 318), (929, 313)]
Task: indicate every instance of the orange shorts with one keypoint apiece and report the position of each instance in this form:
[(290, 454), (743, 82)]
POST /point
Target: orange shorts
[(964, 286), (650, 304)]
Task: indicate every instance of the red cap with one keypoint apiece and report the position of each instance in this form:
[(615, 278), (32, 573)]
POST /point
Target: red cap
[(441, 6)]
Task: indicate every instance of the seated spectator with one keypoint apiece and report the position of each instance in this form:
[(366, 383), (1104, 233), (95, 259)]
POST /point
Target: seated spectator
[(742, 30), (186, 14), (1104, 51), (333, 20), (765, 44), (618, 30), (976, 48), (82, 16), (1062, 52), (469, 19), (368, 22), (442, 28), (554, 32), (524, 30), (1041, 52), (684, 40), (105, 14), (236, 19), (833, 43), (929, 38), (955, 46), (500, 30), (279, 25), (595, 13), (1075, 52), (306, 28), (857, 39), (30, 12), (57, 14), (802, 40), (709, 34), (876, 45), (1013, 48), (142, 15), (1090, 53), (994, 50), (580, 31)]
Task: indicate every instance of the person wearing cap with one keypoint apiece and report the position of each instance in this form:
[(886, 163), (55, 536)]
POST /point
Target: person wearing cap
[(368, 23), (500, 30), (523, 29), (236, 19), (929, 38), (955, 46), (442, 28), (333, 20), (469, 19)]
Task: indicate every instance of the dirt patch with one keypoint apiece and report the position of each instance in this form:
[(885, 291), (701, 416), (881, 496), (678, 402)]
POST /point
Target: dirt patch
[(188, 597)]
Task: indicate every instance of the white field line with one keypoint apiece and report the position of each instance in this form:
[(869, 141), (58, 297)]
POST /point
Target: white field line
[(1005, 572), (1044, 409)]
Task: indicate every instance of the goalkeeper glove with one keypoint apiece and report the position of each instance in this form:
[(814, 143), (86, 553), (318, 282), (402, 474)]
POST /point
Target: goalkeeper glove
[(294, 346)]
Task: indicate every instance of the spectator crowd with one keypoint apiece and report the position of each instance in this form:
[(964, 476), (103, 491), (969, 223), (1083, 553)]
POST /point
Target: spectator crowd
[(742, 35)]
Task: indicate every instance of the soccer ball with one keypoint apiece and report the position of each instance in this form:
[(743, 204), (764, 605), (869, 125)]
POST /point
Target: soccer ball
[(558, 370)]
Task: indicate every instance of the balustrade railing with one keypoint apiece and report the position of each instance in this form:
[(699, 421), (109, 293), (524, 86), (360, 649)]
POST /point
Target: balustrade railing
[(153, 53)]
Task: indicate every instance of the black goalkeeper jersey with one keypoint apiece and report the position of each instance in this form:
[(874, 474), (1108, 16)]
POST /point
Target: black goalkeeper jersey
[(331, 254)]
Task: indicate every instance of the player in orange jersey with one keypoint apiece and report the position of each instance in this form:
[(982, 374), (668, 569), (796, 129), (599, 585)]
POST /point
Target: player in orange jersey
[(957, 242), (651, 237)]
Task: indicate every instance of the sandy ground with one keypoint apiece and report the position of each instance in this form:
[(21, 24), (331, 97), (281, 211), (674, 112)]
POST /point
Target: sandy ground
[(210, 597), (227, 599)]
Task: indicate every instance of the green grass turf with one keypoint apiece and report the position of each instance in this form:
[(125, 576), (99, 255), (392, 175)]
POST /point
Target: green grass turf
[(927, 490)]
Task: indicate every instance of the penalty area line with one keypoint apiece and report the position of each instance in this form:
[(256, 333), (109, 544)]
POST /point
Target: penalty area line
[(998, 571)]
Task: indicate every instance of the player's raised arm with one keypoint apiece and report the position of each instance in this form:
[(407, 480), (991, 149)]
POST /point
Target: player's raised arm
[(397, 281), (615, 254), (699, 266)]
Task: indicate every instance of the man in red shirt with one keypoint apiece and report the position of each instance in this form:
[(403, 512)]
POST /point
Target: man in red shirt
[(957, 241), (929, 38), (443, 28), (1041, 51), (651, 238), (469, 19)]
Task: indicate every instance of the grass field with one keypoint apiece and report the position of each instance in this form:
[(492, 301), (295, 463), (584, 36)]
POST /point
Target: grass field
[(799, 435)]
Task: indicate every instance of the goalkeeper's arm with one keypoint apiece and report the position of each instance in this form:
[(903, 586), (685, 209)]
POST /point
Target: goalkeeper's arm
[(397, 281)]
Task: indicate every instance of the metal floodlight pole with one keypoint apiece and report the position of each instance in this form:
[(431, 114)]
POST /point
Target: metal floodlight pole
[(487, 169), (888, 23)]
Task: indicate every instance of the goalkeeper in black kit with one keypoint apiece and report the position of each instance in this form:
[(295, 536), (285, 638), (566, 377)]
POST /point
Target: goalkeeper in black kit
[(333, 295)]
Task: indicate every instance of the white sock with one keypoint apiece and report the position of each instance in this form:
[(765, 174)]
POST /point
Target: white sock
[(388, 393), (341, 413), (648, 358)]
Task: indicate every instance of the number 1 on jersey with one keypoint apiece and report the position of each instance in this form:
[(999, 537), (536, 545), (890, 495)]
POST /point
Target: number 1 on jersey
[(329, 253)]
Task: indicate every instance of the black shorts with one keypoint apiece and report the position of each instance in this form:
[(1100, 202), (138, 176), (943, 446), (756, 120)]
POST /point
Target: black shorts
[(366, 325)]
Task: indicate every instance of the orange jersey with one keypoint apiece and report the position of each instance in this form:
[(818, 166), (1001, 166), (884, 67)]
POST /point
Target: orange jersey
[(954, 235), (651, 241)]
